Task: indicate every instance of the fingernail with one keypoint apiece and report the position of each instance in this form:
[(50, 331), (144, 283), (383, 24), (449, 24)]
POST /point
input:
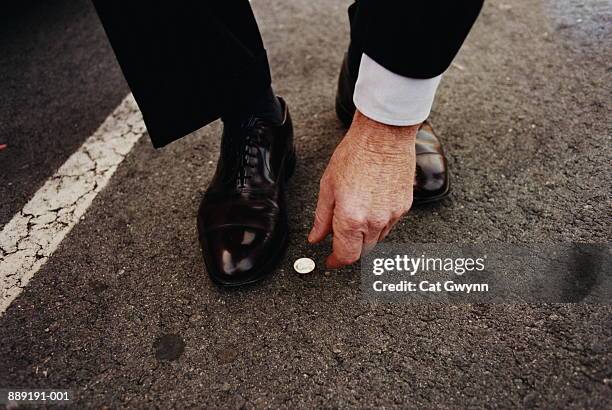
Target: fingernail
[(312, 236)]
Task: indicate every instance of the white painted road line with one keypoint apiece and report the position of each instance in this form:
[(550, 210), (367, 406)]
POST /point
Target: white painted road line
[(31, 237)]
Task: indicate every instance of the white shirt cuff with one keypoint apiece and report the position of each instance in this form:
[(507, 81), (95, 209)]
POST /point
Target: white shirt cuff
[(390, 98)]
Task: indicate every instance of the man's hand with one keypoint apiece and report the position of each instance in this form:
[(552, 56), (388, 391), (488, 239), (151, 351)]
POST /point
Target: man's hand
[(365, 189)]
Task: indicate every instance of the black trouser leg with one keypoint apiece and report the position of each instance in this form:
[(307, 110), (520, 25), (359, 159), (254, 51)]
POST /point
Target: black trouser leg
[(416, 39), (187, 63)]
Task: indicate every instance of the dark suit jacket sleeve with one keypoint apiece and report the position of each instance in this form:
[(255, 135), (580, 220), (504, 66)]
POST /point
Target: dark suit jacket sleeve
[(412, 38)]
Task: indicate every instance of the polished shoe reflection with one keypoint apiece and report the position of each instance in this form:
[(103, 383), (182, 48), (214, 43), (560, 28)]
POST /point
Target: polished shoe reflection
[(242, 221), (432, 179)]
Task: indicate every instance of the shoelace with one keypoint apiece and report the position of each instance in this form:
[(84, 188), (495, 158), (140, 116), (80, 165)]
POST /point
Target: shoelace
[(252, 133)]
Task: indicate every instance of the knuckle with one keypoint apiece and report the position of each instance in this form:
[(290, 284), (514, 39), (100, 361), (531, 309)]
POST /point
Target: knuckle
[(397, 214), (378, 222), (402, 211), (325, 181), (355, 222)]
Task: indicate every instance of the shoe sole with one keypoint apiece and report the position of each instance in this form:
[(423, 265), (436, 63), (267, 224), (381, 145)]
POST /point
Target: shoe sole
[(436, 198), (270, 265)]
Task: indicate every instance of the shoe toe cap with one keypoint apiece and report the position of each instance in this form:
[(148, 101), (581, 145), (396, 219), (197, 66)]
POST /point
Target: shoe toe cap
[(236, 255), (432, 177)]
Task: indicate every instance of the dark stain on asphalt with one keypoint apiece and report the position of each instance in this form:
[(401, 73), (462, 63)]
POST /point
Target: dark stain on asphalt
[(169, 347), (228, 354), (98, 286), (586, 267)]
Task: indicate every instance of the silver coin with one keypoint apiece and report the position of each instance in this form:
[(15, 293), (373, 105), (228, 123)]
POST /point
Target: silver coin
[(304, 265)]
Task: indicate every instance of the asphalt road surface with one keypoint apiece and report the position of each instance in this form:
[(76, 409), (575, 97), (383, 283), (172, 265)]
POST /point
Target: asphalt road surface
[(124, 314)]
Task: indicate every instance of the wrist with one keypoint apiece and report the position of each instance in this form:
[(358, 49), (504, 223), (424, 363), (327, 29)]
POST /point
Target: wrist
[(382, 138)]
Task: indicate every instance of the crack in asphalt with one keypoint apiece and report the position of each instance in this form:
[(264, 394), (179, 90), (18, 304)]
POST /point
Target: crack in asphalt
[(33, 234)]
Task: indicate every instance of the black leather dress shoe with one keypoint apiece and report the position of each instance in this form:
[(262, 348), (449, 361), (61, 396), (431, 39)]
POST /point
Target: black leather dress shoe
[(242, 220), (432, 179)]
